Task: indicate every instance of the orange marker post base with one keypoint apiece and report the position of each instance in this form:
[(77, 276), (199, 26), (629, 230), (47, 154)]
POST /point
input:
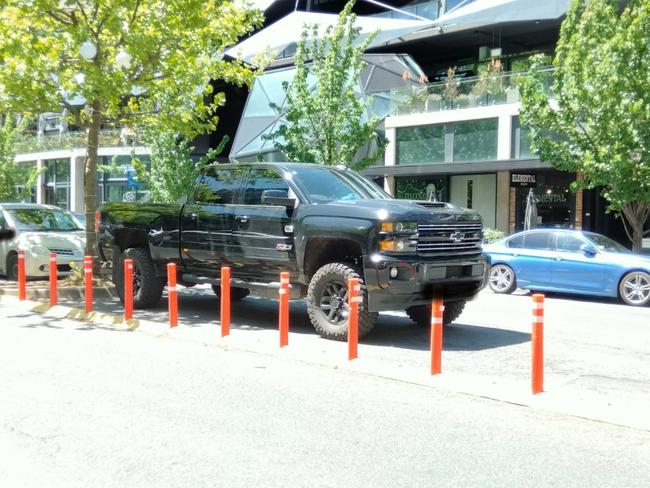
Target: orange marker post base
[(537, 344), (354, 299), (225, 301), (437, 309), (283, 318), (22, 278), (128, 289), (53, 279), (172, 295), (88, 283)]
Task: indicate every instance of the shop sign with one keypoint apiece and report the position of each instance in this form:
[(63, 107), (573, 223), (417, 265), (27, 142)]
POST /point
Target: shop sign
[(522, 180)]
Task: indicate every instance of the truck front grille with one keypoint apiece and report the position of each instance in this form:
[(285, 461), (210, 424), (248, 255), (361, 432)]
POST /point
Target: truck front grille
[(450, 238)]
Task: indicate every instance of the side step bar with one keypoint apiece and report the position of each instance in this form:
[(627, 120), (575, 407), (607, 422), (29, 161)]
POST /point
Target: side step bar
[(266, 290)]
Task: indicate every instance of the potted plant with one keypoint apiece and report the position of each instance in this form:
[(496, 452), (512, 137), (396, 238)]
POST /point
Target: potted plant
[(450, 91)]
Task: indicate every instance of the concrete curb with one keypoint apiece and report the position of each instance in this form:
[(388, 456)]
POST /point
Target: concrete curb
[(574, 396), (64, 292)]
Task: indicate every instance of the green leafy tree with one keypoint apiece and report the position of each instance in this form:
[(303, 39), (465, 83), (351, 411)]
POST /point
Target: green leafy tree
[(173, 170), (326, 124), (16, 181), (598, 121), (145, 62)]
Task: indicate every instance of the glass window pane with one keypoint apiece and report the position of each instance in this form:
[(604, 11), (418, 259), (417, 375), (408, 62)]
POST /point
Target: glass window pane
[(430, 188), (259, 181), (569, 243), (424, 144), (258, 105), (475, 140), (539, 241), (516, 242), (219, 186)]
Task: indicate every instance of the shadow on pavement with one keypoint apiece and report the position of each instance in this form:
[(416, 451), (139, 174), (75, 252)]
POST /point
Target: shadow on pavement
[(456, 337), (570, 297), (202, 309)]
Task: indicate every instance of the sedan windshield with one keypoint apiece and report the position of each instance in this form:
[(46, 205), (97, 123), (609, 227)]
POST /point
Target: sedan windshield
[(42, 219), (325, 185), (605, 243)]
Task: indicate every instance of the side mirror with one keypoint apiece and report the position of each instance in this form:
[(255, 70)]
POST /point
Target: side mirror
[(588, 250), (278, 198)]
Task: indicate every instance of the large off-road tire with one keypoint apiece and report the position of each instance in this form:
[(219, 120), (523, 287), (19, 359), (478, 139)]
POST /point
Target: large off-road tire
[(327, 302), (147, 287), (12, 267), (421, 314), (236, 294)]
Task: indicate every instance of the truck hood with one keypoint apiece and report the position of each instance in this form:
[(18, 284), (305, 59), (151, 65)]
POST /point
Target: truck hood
[(399, 210)]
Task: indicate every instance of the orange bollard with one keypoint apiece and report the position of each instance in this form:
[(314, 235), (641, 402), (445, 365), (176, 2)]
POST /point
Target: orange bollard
[(225, 301), (88, 283), (537, 344), (437, 308), (22, 278), (172, 295), (128, 289), (353, 318), (284, 309), (54, 275)]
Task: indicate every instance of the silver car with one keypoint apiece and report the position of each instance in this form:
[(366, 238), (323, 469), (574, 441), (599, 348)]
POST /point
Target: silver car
[(40, 230)]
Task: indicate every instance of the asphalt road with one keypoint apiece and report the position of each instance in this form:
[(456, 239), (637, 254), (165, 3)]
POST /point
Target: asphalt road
[(601, 338), (86, 406)]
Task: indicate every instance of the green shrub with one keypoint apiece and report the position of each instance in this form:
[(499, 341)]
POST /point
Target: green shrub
[(492, 235)]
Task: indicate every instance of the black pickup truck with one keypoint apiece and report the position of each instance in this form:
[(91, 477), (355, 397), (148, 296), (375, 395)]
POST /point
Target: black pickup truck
[(322, 224)]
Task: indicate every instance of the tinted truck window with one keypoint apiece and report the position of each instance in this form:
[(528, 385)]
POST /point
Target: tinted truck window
[(260, 180), (218, 186)]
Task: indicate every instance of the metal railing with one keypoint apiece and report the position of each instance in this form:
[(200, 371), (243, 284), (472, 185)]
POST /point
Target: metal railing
[(427, 10), (29, 143), (476, 91)]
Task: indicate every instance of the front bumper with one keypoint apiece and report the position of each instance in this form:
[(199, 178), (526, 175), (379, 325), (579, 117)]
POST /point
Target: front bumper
[(37, 266), (420, 280)]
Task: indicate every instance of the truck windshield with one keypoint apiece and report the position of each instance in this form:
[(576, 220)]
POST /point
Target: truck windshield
[(325, 185), (42, 219)]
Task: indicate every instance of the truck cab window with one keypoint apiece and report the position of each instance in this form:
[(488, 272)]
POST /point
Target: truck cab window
[(218, 186), (260, 180)]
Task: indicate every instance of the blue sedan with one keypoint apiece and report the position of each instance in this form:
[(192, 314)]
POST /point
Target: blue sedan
[(569, 261)]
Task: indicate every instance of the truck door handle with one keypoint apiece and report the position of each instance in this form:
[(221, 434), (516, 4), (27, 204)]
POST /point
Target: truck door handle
[(242, 219), (558, 258), (194, 216)]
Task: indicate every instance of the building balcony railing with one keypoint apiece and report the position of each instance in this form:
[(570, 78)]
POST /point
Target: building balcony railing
[(427, 10), (29, 143), (477, 91)]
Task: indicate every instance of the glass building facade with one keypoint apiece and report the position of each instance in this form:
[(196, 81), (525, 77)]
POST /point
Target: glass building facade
[(474, 140), (264, 111)]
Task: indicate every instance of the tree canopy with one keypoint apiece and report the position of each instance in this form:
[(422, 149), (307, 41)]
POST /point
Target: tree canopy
[(16, 181), (327, 121), (597, 120), (145, 62), (152, 63)]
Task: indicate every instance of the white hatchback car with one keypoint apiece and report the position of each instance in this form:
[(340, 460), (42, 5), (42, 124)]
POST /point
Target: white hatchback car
[(40, 230)]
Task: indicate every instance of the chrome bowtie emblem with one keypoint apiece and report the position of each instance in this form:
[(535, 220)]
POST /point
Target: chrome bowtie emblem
[(457, 236)]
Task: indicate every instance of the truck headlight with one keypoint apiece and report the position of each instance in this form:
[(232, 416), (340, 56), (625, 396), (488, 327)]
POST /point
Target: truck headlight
[(399, 227)]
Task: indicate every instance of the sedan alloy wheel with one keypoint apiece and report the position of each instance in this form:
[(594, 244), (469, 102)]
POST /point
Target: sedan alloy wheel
[(635, 288), (502, 279)]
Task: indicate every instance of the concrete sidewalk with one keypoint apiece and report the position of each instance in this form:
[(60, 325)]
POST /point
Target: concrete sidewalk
[(620, 401)]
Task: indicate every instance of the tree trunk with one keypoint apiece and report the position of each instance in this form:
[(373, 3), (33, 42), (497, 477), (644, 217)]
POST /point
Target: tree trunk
[(90, 181), (634, 219), (637, 237)]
